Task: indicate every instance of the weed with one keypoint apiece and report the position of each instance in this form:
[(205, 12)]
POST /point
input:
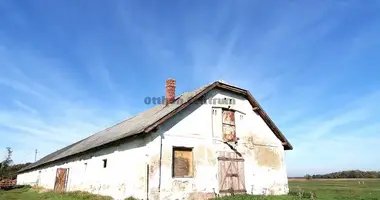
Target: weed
[(131, 198)]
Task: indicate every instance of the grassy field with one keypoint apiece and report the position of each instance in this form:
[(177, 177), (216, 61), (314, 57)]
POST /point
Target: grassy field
[(299, 189), (28, 193), (338, 189)]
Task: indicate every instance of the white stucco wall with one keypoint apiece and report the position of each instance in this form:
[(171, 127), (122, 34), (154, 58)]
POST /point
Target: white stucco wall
[(265, 171), (126, 172)]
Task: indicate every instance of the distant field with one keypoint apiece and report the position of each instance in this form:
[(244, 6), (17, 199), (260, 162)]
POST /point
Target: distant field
[(336, 179), (326, 189), (339, 189), (300, 189)]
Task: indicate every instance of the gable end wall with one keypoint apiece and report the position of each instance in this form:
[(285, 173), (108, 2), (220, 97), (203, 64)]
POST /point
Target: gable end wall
[(195, 127), (138, 168)]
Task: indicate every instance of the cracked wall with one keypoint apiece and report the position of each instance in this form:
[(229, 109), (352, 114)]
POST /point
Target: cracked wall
[(265, 170), (126, 174)]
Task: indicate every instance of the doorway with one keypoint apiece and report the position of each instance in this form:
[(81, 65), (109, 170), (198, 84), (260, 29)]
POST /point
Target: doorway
[(231, 173), (61, 179)]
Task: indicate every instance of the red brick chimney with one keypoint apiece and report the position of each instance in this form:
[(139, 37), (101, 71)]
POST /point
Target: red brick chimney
[(170, 91)]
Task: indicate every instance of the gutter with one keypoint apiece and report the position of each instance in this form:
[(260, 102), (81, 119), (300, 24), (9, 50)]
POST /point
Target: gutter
[(160, 162)]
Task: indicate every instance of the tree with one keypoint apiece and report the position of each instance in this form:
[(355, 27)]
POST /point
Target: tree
[(308, 177), (5, 164), (349, 174)]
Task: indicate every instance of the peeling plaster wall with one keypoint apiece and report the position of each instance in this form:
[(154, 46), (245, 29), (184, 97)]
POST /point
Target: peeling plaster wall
[(265, 171), (125, 174)]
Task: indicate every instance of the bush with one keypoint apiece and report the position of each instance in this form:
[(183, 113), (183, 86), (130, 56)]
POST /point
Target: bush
[(131, 198), (78, 195), (300, 194)]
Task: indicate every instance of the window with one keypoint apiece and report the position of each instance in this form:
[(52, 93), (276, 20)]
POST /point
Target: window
[(214, 111), (85, 167), (182, 162), (104, 163), (228, 125)]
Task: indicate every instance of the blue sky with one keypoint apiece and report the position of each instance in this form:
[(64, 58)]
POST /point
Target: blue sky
[(70, 68)]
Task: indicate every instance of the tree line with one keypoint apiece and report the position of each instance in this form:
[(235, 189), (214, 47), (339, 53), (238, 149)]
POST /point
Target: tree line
[(345, 174), (8, 170)]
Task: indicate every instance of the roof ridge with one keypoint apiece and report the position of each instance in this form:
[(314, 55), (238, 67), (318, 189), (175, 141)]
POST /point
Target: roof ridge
[(155, 111), (143, 121)]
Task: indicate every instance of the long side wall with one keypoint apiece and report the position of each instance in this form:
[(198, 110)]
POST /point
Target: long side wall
[(197, 127), (125, 174)]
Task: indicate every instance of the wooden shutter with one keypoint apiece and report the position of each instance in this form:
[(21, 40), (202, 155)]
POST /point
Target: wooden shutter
[(229, 129), (183, 162)]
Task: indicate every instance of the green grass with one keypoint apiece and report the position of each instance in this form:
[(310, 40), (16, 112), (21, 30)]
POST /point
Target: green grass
[(27, 193), (339, 189), (299, 190), (324, 190)]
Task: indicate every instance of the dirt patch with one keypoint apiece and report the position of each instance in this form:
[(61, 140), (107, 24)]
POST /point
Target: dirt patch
[(204, 155), (180, 186), (154, 195), (265, 156), (276, 189), (268, 157), (200, 195), (199, 154), (211, 157), (40, 189), (153, 166)]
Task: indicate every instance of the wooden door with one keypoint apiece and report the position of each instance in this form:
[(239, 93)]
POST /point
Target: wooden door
[(231, 173), (61, 179)]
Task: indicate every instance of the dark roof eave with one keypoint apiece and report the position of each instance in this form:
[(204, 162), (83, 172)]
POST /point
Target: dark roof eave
[(203, 91), (252, 100)]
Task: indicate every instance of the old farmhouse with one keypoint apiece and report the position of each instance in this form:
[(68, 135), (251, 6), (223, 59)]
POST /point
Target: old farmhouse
[(215, 140)]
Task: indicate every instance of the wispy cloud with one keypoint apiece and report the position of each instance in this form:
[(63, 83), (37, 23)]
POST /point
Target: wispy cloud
[(312, 66), (315, 109), (48, 116), (25, 107), (341, 138)]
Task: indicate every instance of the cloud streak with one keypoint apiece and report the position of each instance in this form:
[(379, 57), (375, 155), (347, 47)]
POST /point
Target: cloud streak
[(311, 66), (42, 116)]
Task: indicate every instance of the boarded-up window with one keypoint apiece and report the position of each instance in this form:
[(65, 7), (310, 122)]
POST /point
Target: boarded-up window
[(182, 162), (229, 129)]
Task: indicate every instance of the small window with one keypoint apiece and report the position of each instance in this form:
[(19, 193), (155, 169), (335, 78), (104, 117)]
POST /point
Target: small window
[(214, 112), (85, 166), (104, 163), (182, 162)]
